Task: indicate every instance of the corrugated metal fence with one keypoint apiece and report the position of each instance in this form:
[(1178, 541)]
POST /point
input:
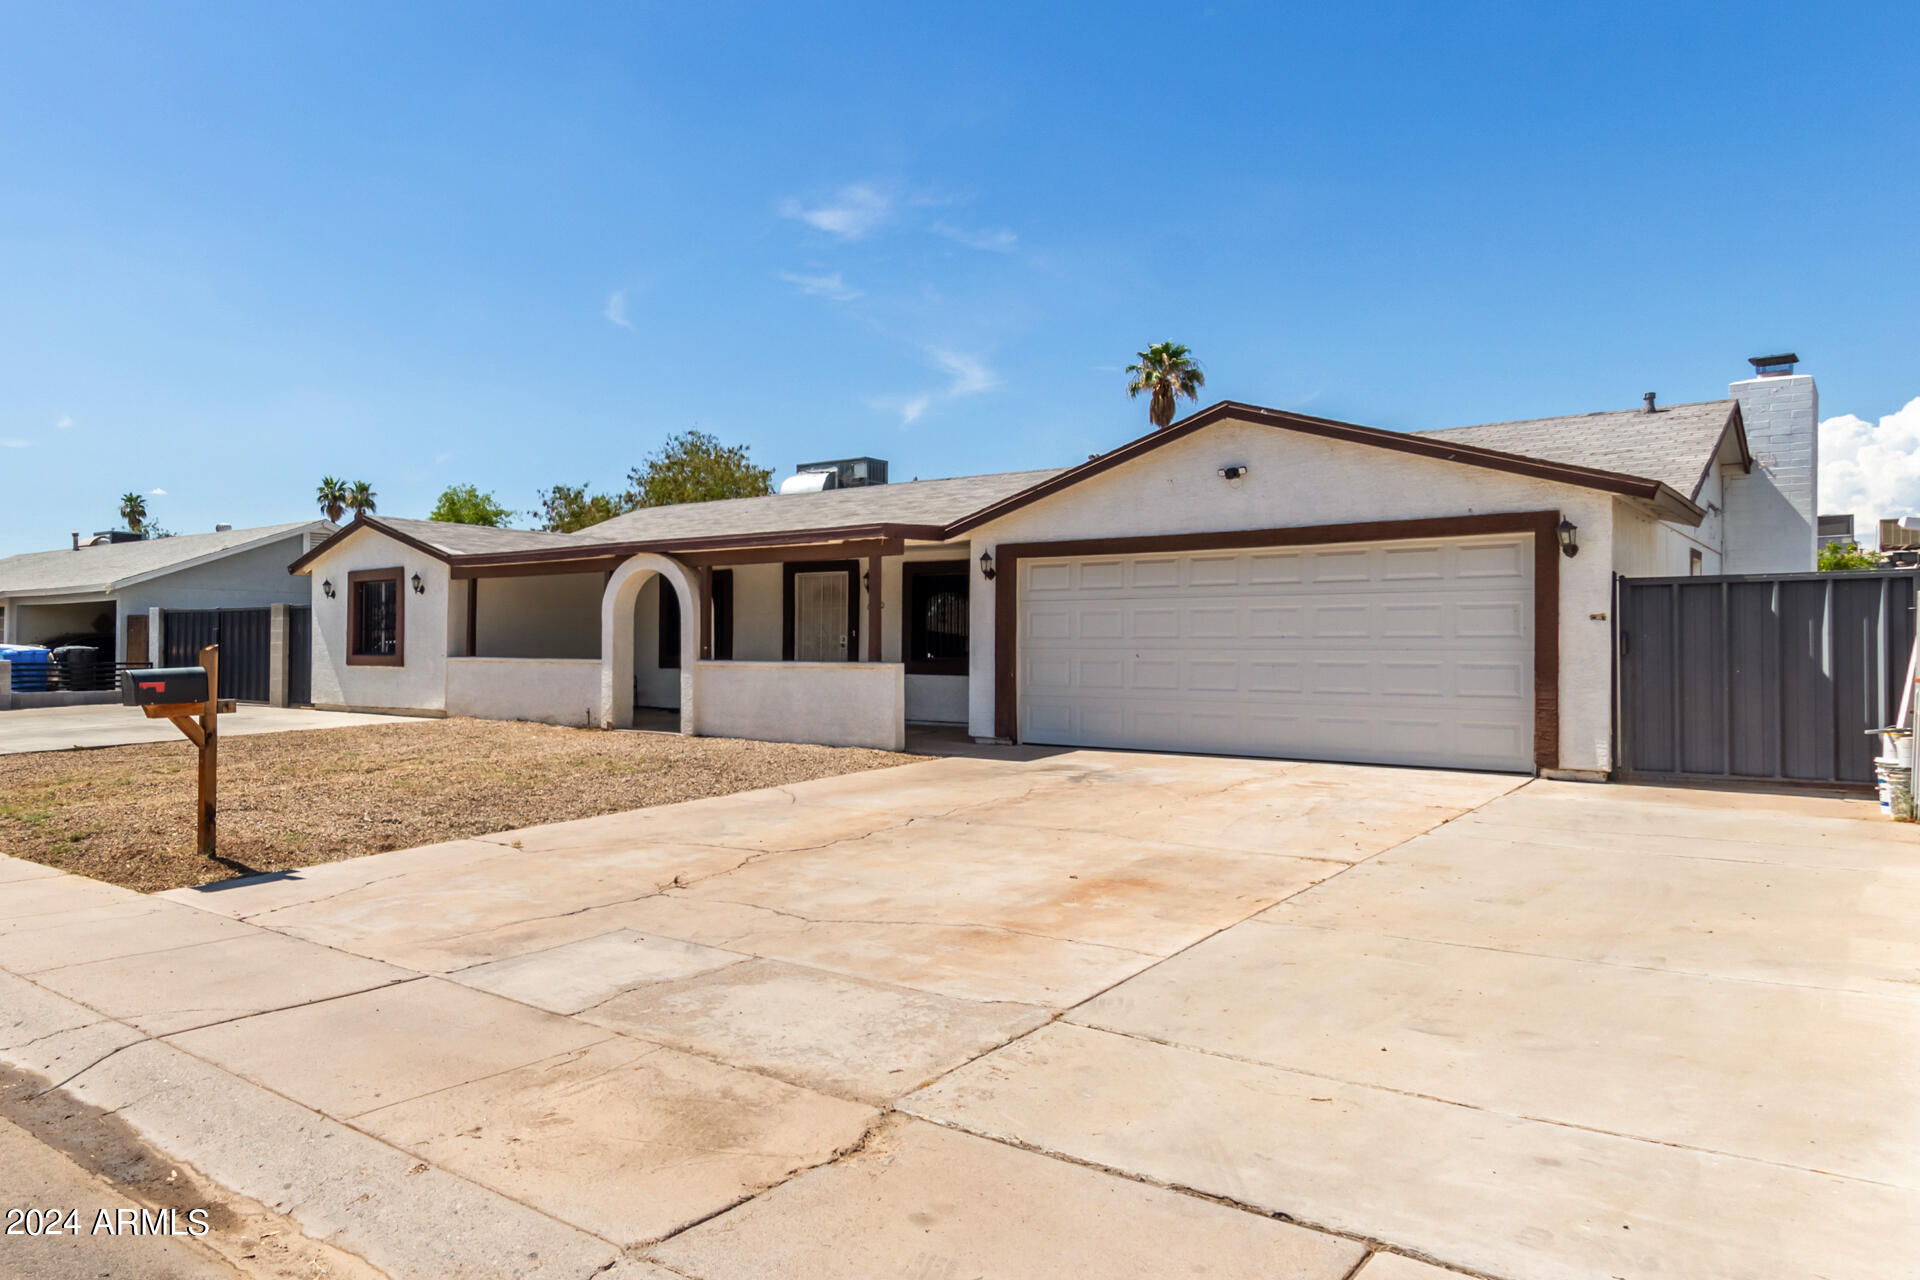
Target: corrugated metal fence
[(1777, 677), (245, 637)]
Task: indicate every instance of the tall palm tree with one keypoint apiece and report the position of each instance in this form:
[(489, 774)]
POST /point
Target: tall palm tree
[(360, 496), (133, 509), (1166, 370), (333, 496)]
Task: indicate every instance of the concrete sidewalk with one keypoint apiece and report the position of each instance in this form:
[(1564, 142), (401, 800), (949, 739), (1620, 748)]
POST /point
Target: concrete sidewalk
[(67, 728), (1003, 1018)]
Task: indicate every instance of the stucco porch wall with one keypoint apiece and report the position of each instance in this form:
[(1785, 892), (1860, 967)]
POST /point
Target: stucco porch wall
[(836, 704), (1297, 480), (549, 690)]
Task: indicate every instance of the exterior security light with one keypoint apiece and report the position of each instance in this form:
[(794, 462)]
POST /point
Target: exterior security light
[(986, 565), (1569, 538), (419, 587), (1233, 474), (326, 588)]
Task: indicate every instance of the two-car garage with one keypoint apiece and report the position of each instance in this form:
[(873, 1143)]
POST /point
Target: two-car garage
[(1403, 651)]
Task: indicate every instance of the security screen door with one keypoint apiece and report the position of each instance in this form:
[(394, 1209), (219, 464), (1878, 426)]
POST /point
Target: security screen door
[(820, 617)]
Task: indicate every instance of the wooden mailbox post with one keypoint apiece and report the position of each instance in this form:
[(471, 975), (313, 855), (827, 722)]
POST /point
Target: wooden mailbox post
[(204, 733)]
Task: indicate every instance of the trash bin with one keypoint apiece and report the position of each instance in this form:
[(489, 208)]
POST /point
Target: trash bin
[(1893, 770), (78, 666), (29, 666)]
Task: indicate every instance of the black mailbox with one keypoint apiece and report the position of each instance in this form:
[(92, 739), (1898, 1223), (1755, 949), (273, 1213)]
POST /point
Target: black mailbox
[(161, 686)]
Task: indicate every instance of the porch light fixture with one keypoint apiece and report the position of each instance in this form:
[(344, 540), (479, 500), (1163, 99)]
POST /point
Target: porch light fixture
[(419, 587), (326, 588), (1569, 538), (986, 565)]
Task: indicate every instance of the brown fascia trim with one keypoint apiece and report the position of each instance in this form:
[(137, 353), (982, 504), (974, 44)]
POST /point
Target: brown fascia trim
[(718, 542), (1652, 491), (367, 522), (1546, 594)]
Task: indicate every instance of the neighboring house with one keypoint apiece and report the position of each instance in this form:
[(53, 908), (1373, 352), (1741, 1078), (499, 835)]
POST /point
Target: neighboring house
[(113, 588), (1247, 581), (1836, 531)]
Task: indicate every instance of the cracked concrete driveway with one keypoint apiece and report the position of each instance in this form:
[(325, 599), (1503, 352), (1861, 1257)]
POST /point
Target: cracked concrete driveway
[(1097, 1013)]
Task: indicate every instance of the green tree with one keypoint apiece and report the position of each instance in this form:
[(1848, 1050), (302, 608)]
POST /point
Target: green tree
[(695, 467), (133, 509), (360, 496), (1838, 557), (1166, 371), (464, 504), (566, 508), (333, 495)]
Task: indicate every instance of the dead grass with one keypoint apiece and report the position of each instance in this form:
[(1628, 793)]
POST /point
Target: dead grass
[(125, 814)]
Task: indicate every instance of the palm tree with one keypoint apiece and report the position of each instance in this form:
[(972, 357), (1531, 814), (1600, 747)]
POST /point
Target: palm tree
[(334, 496), (133, 509), (360, 496), (1166, 371)]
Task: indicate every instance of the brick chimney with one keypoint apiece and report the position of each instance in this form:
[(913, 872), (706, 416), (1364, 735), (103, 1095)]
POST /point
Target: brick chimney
[(1770, 511)]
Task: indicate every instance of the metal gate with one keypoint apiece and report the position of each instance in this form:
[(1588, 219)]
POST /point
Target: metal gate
[(299, 657), (245, 637), (1779, 677)]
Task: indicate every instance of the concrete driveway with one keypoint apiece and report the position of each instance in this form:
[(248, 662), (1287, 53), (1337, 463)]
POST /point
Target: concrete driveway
[(1095, 1014), (65, 728)]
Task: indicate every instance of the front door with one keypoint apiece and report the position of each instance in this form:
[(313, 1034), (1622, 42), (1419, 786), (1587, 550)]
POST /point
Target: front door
[(820, 617)]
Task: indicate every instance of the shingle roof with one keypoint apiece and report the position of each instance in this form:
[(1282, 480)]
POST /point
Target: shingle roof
[(1673, 445), (473, 539), (106, 568), (924, 502)]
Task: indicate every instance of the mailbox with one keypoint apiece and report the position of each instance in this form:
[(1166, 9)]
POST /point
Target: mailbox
[(163, 686)]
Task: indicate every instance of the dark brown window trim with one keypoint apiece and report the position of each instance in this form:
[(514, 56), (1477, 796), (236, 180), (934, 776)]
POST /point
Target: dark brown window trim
[(909, 570), (852, 570), (1546, 594), (398, 658)]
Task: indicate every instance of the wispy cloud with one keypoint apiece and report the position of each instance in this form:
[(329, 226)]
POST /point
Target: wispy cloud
[(158, 493), (990, 239), (66, 420), (970, 374), (616, 309), (831, 287), (909, 408), (15, 442), (851, 213)]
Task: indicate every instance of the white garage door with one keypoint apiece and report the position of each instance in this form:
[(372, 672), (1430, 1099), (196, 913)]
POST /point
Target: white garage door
[(1394, 652)]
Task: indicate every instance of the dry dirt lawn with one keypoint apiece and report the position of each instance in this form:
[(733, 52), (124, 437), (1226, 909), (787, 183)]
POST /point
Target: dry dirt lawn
[(125, 814)]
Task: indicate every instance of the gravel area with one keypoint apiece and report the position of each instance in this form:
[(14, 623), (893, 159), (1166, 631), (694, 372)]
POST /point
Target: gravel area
[(125, 814)]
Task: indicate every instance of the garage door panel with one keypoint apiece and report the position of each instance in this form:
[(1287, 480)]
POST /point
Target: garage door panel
[(1414, 653)]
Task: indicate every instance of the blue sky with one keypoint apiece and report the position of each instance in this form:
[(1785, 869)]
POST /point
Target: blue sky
[(242, 246)]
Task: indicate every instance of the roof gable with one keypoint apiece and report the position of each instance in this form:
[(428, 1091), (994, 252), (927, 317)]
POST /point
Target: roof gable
[(116, 565)]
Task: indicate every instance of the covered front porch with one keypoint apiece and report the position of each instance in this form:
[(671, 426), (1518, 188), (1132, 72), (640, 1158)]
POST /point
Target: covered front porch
[(841, 642)]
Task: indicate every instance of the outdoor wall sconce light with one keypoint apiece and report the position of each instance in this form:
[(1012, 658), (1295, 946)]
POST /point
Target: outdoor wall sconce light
[(986, 565), (419, 587), (326, 588), (1235, 474), (1569, 538)]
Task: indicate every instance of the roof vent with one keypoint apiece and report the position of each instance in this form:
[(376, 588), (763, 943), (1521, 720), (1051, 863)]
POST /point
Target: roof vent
[(1648, 398), (1773, 366), (76, 539), (223, 527)]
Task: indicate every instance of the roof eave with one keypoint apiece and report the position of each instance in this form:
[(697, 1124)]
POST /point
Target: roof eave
[(1328, 428), (299, 566), (588, 551)]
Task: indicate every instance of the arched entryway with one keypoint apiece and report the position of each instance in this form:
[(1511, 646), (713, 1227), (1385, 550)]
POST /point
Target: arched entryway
[(617, 636)]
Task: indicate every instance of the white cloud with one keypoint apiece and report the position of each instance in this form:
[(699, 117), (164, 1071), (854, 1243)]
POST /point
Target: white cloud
[(1872, 471), (14, 442), (851, 213), (831, 287), (66, 420), (908, 408), (158, 493), (616, 309), (970, 375), (992, 239)]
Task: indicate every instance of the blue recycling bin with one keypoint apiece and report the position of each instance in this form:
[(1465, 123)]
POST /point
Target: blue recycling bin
[(31, 666)]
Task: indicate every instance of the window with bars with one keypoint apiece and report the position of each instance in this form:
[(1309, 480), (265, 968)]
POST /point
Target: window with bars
[(376, 622), (935, 642)]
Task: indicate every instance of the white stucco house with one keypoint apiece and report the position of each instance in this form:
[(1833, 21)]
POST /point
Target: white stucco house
[(1248, 581)]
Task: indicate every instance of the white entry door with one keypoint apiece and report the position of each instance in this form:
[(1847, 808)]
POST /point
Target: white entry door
[(1390, 652), (820, 617)]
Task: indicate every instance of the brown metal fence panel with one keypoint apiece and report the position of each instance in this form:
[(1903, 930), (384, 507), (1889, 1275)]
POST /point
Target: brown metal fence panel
[(1780, 677)]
